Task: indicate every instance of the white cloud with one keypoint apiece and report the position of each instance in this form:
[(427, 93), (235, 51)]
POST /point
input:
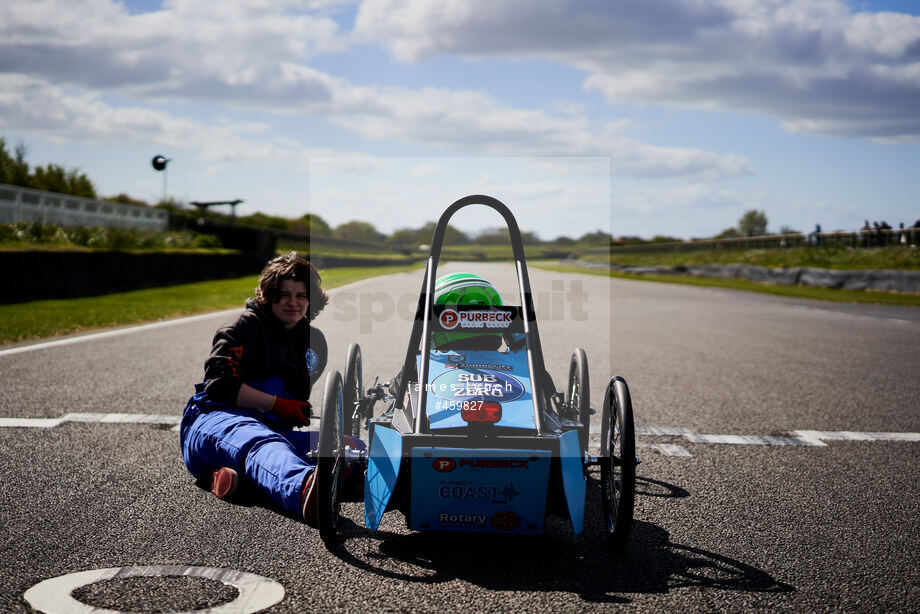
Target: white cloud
[(551, 196), (472, 121), (682, 210), (188, 50), (251, 54), (813, 63), (682, 198), (33, 107), (426, 170)]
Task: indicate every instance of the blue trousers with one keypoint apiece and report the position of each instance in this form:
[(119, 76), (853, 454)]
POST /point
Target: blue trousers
[(268, 456)]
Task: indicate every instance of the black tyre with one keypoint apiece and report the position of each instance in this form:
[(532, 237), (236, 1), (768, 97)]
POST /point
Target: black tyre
[(353, 391), (331, 461), (618, 463), (578, 394)]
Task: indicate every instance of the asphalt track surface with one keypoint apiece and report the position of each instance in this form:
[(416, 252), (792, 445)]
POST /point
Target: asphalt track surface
[(733, 527)]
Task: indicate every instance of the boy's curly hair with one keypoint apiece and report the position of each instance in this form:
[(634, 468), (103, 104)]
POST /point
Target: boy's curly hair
[(291, 266)]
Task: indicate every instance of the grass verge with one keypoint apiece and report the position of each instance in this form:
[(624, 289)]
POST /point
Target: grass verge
[(39, 319), (830, 257), (822, 294)]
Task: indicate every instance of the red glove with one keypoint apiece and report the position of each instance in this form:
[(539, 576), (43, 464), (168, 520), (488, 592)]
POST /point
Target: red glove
[(292, 411)]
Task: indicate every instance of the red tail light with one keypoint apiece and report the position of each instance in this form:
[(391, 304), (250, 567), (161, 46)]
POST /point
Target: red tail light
[(481, 411)]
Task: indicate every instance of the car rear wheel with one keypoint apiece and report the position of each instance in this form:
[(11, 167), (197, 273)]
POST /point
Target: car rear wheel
[(618, 463), (578, 394), (331, 461), (353, 391)]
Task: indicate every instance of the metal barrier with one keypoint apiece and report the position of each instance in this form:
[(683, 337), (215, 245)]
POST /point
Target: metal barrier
[(854, 239), (245, 236), (18, 204)]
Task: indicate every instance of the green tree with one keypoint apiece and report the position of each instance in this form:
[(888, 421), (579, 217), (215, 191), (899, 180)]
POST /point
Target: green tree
[(6, 163), (753, 223), (452, 236), (493, 236), (315, 225), (403, 237), (52, 178), (530, 238), (173, 206), (268, 221), (55, 178), (15, 168), (127, 200), (728, 233), (357, 231), (79, 184), (597, 237)]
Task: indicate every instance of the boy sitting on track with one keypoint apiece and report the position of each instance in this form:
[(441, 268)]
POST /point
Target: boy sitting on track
[(240, 423)]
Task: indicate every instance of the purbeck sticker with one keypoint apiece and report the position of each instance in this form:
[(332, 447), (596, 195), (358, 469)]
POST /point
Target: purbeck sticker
[(450, 319)]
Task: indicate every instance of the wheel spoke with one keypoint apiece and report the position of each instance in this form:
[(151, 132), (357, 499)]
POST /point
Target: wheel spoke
[(336, 481)]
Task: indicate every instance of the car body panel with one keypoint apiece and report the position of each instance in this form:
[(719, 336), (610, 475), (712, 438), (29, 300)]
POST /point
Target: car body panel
[(458, 377), (383, 465), (481, 490), (573, 478)]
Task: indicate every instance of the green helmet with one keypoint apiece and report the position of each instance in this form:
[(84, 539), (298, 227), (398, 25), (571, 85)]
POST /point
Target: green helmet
[(466, 289)]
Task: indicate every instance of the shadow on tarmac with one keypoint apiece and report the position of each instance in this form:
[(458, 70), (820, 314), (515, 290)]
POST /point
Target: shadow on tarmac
[(647, 487), (556, 560)]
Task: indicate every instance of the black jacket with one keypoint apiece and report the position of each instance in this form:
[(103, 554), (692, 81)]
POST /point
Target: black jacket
[(257, 347)]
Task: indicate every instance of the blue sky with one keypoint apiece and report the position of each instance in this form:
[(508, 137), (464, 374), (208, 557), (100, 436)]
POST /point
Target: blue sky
[(642, 118)]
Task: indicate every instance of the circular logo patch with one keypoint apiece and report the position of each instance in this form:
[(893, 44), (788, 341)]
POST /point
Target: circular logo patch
[(505, 521), (449, 319), (444, 465), (312, 360)]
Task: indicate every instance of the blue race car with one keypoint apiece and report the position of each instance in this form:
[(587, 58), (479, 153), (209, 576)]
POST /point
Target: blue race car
[(486, 444)]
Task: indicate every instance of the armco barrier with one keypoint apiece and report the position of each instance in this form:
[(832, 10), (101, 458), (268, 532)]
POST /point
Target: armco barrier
[(18, 204), (889, 237), (34, 275), (886, 280)]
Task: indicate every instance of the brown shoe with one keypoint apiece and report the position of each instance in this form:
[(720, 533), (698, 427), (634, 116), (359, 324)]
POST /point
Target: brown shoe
[(308, 504), (224, 482)]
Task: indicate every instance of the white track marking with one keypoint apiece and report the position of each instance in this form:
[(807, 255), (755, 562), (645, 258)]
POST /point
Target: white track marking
[(662, 430), (45, 423), (806, 438), (40, 423), (256, 593), (665, 449), (651, 430), (857, 436), (765, 440), (123, 418)]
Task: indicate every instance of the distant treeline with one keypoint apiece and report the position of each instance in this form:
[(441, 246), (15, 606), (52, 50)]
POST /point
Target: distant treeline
[(366, 232), (15, 170)]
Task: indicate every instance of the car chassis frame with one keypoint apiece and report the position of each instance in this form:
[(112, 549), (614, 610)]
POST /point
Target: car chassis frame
[(479, 477)]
